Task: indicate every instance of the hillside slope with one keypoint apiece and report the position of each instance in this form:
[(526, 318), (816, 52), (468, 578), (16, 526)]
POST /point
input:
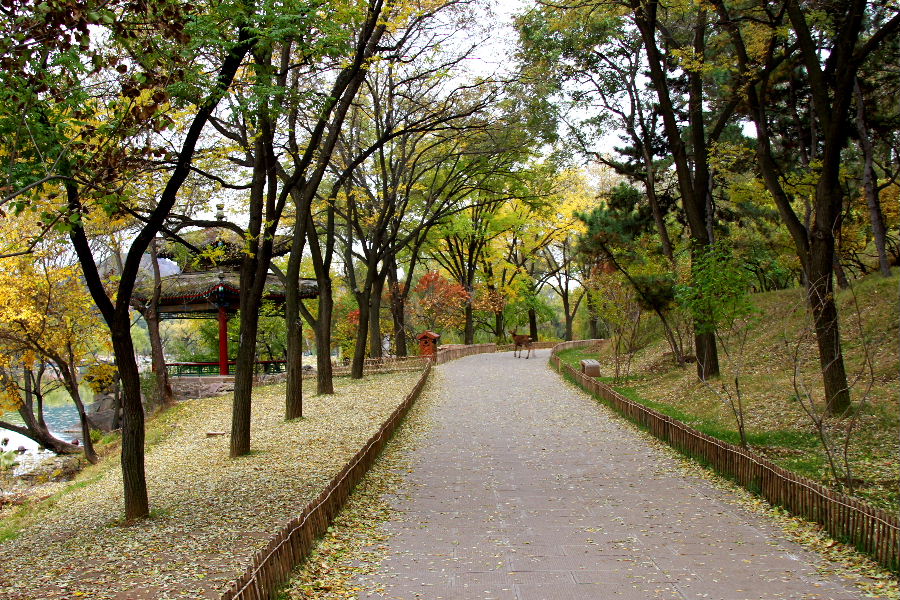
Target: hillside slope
[(777, 364)]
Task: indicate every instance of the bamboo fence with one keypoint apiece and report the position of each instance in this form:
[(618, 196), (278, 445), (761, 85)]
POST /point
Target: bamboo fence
[(271, 566), (387, 364), (871, 530), (534, 346)]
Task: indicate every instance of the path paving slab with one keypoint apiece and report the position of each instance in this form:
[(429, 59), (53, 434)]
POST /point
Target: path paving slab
[(524, 488)]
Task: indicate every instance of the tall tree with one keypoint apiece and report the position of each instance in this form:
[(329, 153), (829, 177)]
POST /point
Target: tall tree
[(411, 183), (692, 93), (64, 130), (830, 50)]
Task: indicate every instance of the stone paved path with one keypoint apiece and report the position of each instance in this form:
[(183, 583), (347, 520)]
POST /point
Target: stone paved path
[(526, 489)]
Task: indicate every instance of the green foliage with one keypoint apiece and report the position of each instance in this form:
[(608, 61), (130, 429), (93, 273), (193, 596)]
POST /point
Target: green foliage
[(656, 291), (718, 292), (515, 312), (614, 227), (148, 385), (7, 459)]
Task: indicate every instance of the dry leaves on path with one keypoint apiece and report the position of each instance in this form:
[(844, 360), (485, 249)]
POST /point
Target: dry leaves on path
[(354, 544)]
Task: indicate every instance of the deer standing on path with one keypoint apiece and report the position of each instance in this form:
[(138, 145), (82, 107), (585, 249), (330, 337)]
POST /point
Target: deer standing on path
[(521, 341)]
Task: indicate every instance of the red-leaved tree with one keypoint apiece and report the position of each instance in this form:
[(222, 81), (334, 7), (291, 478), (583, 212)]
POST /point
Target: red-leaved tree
[(440, 302)]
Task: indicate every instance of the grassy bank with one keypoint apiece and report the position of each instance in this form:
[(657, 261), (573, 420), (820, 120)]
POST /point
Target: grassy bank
[(776, 423), (210, 513)]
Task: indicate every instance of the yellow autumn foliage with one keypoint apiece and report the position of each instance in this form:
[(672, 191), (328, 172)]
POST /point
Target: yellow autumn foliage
[(45, 310)]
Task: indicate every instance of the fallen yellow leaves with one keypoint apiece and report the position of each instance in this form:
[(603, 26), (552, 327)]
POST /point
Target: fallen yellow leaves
[(210, 513), (353, 546)]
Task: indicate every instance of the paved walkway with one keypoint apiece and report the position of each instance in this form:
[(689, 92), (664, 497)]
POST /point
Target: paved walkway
[(525, 489)]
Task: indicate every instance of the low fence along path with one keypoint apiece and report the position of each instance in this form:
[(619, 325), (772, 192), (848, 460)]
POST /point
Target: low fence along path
[(524, 488)]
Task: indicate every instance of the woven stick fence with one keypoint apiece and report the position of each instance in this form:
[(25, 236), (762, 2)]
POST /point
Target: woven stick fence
[(873, 531), (271, 566), (534, 346), (387, 364), (458, 351)]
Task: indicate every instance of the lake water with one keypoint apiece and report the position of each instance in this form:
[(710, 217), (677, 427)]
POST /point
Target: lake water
[(60, 415)]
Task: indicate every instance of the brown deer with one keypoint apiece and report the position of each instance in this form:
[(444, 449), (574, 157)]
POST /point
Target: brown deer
[(521, 341)]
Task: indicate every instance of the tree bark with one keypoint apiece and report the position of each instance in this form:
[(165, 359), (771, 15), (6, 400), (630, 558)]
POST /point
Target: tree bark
[(116, 315), (321, 324), (164, 395), (870, 184), (132, 455), (293, 399), (655, 209), (376, 340), (324, 378), (593, 318), (398, 311), (693, 186), (254, 267), (825, 318), (362, 335), (35, 428), (293, 402), (532, 324)]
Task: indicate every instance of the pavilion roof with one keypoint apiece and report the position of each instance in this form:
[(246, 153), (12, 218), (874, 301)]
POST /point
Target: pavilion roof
[(203, 291), (227, 246)]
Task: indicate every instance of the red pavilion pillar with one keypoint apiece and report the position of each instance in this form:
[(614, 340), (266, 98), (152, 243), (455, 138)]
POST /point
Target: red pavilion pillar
[(223, 341)]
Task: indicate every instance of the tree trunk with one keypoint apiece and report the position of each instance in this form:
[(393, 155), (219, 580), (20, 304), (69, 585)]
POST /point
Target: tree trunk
[(243, 382), (870, 183), (35, 429), (376, 340), (42, 436), (658, 218), (164, 394), (693, 185), (707, 357), (134, 482), (116, 316), (254, 271), (255, 264), (532, 324), (117, 405), (70, 382), (839, 274), (39, 397), (469, 331), (398, 310), (593, 318), (89, 452), (825, 317), (324, 378), (362, 333), (293, 399), (567, 316)]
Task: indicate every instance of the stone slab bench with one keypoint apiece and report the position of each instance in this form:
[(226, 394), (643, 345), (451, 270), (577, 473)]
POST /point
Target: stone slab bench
[(590, 367)]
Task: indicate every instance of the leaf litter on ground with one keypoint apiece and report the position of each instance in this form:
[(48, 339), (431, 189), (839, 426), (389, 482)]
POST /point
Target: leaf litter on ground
[(839, 559), (354, 545), (210, 513)]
